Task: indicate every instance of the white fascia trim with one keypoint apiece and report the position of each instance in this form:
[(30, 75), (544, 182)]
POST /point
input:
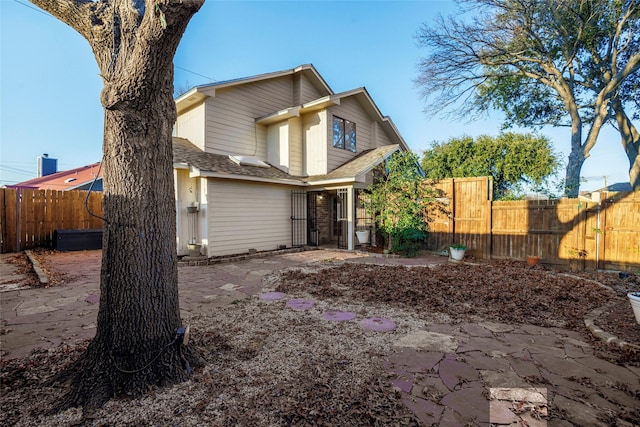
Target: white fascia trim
[(181, 165), (317, 104), (389, 121), (247, 178), (279, 115), (334, 181)]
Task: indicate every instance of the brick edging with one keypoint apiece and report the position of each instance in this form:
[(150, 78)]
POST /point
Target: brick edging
[(241, 257)]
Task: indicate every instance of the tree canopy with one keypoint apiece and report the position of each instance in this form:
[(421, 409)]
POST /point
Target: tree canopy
[(564, 63), (511, 159), (398, 200)]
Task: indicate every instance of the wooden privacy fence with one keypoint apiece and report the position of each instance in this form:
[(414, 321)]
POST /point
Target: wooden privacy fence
[(567, 233), (29, 218)]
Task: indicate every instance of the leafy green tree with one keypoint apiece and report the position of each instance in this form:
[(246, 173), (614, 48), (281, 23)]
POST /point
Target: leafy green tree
[(398, 200), (511, 159), (568, 63)]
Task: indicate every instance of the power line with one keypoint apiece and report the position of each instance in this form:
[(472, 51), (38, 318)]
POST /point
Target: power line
[(51, 16), (35, 8), (14, 170), (193, 72)]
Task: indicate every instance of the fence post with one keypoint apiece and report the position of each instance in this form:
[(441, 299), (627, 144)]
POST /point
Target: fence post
[(18, 211)]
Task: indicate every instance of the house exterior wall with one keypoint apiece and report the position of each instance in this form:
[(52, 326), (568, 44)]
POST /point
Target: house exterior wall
[(379, 136), (278, 145), (231, 114), (324, 219), (303, 90), (189, 192), (314, 141), (296, 151), (246, 215), (349, 109), (190, 125)]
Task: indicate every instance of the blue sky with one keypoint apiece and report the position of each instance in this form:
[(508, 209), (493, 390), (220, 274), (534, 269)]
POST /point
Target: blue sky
[(50, 86)]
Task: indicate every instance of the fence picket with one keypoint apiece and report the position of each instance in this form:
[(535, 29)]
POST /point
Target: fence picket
[(567, 233), (30, 217)]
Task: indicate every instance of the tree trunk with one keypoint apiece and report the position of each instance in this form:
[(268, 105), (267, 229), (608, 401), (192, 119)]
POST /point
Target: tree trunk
[(576, 160), (137, 344), (630, 138)]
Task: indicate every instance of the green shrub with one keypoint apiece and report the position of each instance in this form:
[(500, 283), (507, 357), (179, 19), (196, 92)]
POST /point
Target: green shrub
[(407, 241)]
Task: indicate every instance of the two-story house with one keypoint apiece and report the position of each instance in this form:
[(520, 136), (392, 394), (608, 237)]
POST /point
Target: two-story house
[(275, 160)]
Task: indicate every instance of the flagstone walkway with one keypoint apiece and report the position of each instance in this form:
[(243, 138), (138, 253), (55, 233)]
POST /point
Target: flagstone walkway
[(448, 375)]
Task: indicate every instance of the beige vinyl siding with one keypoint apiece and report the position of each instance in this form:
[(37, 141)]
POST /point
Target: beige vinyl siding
[(245, 215), (231, 114), (295, 146), (187, 191), (278, 145), (314, 131), (307, 91), (190, 125), (349, 109), (380, 138)]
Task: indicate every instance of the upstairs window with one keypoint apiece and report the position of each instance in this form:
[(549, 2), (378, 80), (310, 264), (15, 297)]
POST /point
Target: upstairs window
[(344, 134)]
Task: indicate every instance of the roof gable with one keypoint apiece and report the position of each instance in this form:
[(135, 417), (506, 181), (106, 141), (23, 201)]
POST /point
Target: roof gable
[(199, 93)]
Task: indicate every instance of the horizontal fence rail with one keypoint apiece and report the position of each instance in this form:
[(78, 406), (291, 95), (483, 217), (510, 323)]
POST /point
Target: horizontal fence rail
[(31, 217), (568, 233)]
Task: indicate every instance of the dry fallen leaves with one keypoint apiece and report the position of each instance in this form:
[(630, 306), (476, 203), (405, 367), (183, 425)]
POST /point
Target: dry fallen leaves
[(271, 365)]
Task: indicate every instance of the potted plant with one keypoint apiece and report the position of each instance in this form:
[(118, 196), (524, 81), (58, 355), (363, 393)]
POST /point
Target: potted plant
[(532, 260), (363, 236), (457, 251), (634, 299)]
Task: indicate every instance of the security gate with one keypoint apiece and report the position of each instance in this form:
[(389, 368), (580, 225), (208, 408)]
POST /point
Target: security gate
[(298, 218), (342, 218), (312, 218)]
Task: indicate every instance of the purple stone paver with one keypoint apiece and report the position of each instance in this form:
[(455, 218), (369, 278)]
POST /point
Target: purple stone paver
[(338, 316), (500, 412), (469, 403), (453, 373), (272, 296), (300, 304), (416, 361), (378, 324), (476, 330)]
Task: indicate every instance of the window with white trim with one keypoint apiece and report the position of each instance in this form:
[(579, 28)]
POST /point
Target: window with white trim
[(344, 134)]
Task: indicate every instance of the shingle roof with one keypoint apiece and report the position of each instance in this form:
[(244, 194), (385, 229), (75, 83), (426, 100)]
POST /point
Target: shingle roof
[(363, 163), (65, 180), (219, 165), (185, 152)]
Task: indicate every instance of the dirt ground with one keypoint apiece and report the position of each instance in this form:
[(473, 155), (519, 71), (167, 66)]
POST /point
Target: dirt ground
[(268, 364)]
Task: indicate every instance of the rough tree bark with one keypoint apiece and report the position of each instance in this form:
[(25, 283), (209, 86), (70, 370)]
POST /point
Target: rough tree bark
[(630, 138), (136, 344)]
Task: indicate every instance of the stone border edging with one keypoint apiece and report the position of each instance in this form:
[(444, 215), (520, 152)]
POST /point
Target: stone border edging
[(42, 276), (589, 322), (200, 261), (590, 319)]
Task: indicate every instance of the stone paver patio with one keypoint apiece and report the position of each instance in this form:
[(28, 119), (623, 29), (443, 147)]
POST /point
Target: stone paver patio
[(448, 375)]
